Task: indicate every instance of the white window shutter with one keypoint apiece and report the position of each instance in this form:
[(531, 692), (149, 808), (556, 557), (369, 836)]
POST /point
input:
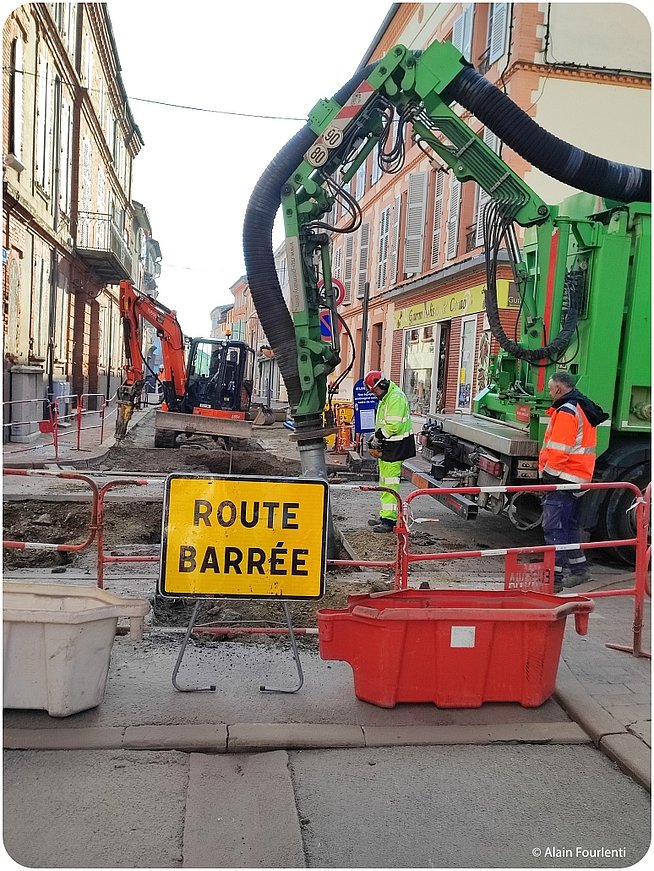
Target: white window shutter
[(382, 260), (415, 222), (438, 218), (361, 180), (376, 173), (18, 90), (397, 211), (364, 246), (499, 15), (462, 31), (42, 84), (64, 183), (453, 216), (347, 270), (338, 257)]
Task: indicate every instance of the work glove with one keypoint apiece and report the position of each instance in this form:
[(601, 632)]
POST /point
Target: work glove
[(375, 446), (546, 478)]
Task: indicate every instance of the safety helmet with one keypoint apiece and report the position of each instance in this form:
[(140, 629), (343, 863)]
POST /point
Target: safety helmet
[(374, 379)]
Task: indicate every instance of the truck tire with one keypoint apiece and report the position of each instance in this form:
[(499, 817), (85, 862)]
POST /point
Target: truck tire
[(617, 521), (165, 438)]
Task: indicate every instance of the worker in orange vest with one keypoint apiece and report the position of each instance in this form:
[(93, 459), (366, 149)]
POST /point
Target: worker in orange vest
[(567, 457)]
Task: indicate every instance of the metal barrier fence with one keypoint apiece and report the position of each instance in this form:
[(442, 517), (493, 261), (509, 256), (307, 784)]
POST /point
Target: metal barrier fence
[(96, 524), (61, 424), (404, 558)]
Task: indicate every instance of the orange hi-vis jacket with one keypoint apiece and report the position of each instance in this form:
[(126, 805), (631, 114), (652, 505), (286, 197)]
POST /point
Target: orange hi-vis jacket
[(568, 450)]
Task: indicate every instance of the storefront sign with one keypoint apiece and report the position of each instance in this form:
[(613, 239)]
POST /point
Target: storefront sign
[(244, 537), (453, 305)]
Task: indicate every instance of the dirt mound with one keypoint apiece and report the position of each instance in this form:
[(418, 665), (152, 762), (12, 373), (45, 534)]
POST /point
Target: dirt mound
[(198, 459), (244, 613), (69, 523)]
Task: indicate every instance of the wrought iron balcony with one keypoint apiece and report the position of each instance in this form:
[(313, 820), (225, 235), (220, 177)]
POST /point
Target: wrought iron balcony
[(101, 246)]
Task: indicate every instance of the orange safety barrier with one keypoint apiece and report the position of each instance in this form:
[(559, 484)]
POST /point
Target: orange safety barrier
[(96, 525), (512, 555)]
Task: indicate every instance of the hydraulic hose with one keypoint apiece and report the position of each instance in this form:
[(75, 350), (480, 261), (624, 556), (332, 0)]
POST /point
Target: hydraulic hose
[(559, 159), (258, 249)]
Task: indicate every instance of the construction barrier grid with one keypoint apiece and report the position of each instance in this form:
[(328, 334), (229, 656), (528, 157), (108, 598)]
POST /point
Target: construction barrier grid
[(401, 565)]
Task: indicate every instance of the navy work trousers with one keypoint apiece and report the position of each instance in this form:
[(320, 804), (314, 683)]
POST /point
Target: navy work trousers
[(561, 526)]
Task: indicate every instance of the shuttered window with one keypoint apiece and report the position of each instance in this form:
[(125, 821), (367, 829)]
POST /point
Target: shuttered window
[(462, 31), (338, 258), (397, 214), (415, 222), (493, 142), (364, 249), (439, 185), (497, 26), (453, 210), (347, 268), (44, 125), (376, 173), (382, 259), (66, 156), (16, 100), (360, 181)]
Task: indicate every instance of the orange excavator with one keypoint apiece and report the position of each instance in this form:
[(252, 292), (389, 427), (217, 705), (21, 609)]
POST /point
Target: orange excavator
[(207, 389)]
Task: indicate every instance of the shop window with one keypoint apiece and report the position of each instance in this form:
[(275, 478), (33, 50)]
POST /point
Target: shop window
[(466, 363), (419, 361)]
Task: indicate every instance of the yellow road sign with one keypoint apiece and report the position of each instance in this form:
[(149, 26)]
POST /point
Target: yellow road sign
[(228, 536)]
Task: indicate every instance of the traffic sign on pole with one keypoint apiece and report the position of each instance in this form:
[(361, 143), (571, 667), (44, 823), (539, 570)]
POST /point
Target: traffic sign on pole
[(338, 288), (326, 326)]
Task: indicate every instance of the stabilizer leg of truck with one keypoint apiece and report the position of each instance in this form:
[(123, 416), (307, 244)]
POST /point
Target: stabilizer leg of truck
[(461, 505)]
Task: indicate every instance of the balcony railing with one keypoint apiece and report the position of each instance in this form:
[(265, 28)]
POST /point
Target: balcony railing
[(100, 245)]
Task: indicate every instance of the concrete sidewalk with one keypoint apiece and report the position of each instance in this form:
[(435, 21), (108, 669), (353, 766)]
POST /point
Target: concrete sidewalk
[(94, 444)]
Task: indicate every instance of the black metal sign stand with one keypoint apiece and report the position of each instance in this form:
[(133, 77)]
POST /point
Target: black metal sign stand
[(212, 688)]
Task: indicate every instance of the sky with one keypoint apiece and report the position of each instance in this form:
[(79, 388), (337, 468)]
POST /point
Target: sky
[(197, 169)]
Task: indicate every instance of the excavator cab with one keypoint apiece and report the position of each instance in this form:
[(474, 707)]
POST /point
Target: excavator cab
[(220, 378)]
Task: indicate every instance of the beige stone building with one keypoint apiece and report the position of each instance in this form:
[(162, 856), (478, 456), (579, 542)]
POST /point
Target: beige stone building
[(70, 229)]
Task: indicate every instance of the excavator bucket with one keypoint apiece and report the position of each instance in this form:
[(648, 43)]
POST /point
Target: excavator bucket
[(123, 417), (264, 417)]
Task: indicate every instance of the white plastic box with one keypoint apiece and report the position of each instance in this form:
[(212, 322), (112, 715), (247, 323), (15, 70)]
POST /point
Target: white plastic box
[(57, 644)]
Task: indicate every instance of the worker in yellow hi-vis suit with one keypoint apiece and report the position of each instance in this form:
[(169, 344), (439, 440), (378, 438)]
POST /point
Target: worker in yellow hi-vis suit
[(392, 442)]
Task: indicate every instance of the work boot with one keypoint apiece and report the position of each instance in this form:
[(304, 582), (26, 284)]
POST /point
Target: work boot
[(558, 586), (384, 526), (573, 580), (374, 521)]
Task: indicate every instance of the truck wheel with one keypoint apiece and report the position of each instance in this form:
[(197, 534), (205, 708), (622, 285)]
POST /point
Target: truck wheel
[(165, 438), (618, 521)]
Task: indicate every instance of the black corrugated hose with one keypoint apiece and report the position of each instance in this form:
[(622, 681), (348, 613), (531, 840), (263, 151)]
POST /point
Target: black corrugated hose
[(559, 159), (258, 251)]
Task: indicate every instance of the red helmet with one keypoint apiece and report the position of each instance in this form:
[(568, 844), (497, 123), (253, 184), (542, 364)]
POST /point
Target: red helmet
[(373, 378)]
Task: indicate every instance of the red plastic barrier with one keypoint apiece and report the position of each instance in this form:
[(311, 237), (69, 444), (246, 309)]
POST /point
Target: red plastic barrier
[(455, 648)]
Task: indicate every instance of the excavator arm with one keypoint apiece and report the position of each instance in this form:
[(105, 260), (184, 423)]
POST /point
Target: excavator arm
[(135, 308)]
